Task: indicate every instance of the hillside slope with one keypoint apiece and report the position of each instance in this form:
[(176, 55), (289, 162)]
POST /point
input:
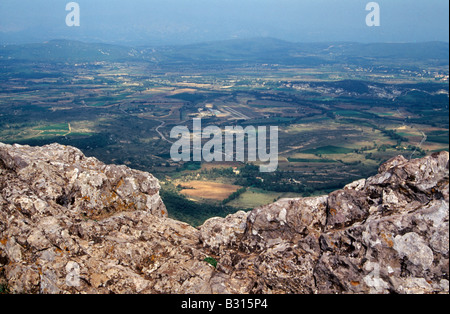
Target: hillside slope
[(257, 50)]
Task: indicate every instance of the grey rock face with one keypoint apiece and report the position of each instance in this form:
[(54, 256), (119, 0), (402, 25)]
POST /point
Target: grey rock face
[(71, 224), (385, 234)]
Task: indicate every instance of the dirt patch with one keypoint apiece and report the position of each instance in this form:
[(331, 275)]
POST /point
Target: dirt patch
[(208, 190)]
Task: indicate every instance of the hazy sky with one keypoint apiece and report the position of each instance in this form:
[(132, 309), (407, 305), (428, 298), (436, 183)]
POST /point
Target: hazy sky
[(146, 22)]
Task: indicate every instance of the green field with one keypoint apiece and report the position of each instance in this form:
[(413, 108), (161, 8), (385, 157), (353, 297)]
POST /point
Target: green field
[(328, 150), (54, 133), (305, 160), (54, 127), (441, 137), (256, 197)]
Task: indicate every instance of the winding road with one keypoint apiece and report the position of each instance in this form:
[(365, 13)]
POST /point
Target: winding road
[(163, 123)]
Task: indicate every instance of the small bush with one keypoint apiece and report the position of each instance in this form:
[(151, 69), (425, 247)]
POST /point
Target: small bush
[(211, 261)]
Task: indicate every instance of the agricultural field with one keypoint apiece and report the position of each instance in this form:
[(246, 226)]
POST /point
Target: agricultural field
[(338, 119), (254, 198), (199, 190)]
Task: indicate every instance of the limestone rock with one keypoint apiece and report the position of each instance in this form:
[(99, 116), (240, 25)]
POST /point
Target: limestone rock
[(385, 234), (71, 224)]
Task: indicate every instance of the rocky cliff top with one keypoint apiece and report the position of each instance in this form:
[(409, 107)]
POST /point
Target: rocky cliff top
[(71, 224)]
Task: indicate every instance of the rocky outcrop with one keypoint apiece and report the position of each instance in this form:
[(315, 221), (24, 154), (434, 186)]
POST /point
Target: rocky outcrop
[(70, 224), (386, 234)]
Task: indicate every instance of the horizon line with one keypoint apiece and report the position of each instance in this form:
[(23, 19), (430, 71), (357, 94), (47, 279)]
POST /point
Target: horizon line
[(123, 44)]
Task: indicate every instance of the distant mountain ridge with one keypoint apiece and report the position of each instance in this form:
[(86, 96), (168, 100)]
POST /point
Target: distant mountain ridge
[(65, 51), (258, 50)]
